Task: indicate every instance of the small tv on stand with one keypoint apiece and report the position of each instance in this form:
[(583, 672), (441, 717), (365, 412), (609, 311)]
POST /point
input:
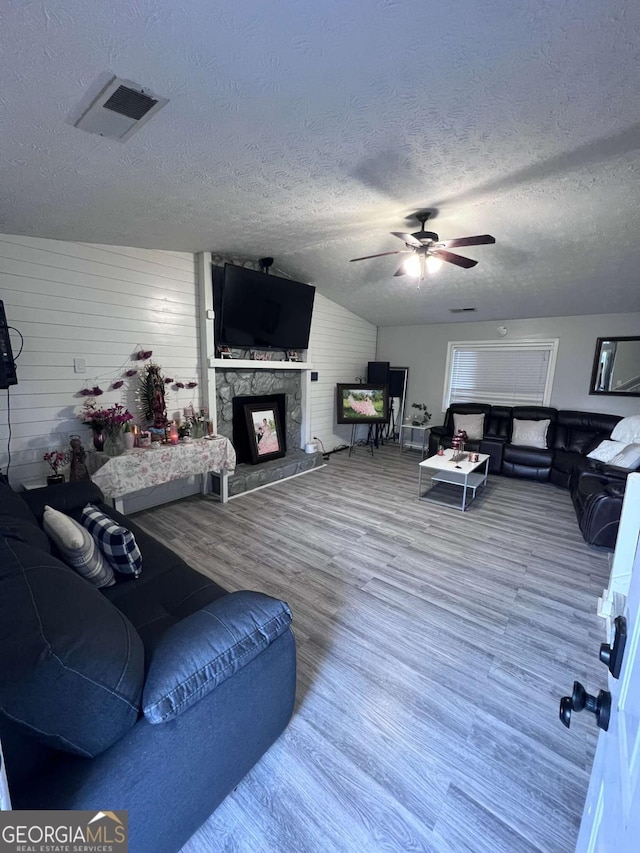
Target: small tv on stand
[(363, 404)]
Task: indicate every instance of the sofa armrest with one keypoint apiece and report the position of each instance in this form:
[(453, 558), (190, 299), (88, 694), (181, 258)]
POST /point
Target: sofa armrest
[(203, 650), (66, 497), (440, 429), (614, 472)]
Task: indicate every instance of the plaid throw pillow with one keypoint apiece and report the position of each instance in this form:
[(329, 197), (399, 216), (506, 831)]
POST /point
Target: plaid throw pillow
[(116, 542)]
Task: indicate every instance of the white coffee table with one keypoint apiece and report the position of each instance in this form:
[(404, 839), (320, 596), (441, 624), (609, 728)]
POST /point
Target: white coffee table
[(466, 475)]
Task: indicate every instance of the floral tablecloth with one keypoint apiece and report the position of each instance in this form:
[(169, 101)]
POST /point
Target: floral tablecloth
[(143, 467)]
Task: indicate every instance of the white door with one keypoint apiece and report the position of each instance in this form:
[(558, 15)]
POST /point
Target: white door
[(611, 818)]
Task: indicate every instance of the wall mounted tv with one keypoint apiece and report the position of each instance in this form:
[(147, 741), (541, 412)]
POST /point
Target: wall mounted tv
[(256, 310), (363, 404)]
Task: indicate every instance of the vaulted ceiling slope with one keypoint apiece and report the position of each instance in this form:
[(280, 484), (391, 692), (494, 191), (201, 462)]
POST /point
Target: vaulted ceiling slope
[(310, 130)]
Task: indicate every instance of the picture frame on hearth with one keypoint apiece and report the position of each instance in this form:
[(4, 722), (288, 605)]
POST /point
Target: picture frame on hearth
[(266, 436)]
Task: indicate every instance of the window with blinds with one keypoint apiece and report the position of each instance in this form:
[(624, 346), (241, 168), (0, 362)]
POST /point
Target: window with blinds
[(513, 373)]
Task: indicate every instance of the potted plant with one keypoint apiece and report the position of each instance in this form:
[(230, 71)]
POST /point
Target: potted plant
[(56, 459), (422, 415)]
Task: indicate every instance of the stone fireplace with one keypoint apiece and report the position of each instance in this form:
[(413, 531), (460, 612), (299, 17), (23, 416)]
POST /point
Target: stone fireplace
[(244, 382), (260, 383)]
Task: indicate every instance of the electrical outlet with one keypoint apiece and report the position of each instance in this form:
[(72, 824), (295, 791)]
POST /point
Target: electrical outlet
[(80, 365)]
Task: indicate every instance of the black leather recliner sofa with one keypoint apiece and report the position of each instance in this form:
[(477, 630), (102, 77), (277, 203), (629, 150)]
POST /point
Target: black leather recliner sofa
[(597, 498), (596, 489)]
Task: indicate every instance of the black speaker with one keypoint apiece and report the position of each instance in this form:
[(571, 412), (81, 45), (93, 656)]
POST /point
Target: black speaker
[(7, 366), (396, 382), (378, 371)]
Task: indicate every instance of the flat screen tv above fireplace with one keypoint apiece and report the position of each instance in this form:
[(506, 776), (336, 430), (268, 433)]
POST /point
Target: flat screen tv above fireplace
[(256, 310)]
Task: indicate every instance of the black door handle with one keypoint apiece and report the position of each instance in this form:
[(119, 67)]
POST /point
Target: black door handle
[(611, 656), (580, 700)]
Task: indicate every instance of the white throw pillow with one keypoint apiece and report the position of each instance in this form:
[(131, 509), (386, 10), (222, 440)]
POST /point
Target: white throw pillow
[(627, 458), (606, 450), (473, 425), (530, 433), (627, 430), (78, 548)]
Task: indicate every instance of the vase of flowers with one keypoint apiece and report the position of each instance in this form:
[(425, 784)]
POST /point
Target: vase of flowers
[(114, 442), (106, 425), (56, 459), (99, 436)]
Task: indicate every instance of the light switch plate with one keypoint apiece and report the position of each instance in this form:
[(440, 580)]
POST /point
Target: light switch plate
[(80, 365)]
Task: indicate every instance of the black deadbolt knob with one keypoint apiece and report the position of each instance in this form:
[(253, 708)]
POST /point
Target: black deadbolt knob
[(565, 711), (581, 700), (578, 697)]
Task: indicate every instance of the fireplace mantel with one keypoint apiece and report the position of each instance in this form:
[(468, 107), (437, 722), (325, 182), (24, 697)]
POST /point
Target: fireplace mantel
[(245, 363)]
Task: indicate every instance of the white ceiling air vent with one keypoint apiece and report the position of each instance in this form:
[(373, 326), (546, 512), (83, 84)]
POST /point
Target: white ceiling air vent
[(121, 108)]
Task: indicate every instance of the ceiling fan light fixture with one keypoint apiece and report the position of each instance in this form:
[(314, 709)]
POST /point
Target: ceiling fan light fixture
[(412, 266), (433, 263)]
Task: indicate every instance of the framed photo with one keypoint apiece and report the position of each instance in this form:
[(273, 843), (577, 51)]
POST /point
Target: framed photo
[(293, 355), (266, 437), (363, 404)]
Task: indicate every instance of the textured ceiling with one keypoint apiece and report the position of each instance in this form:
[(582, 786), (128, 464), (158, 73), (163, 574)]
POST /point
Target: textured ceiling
[(309, 130)]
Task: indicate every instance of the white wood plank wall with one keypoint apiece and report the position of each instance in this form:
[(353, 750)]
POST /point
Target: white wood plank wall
[(100, 303), (340, 345)]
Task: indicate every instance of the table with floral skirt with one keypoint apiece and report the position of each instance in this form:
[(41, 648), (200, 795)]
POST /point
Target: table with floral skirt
[(142, 467)]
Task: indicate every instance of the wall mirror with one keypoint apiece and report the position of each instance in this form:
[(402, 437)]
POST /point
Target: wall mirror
[(616, 367)]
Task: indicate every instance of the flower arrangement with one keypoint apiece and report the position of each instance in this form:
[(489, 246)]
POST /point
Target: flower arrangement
[(422, 415), (98, 419), (56, 459), (196, 423)]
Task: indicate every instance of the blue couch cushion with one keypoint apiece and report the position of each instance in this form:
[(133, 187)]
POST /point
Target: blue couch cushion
[(17, 521), (71, 665), (207, 647)]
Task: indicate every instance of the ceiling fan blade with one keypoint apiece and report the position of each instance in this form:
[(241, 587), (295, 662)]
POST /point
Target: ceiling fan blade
[(381, 255), (450, 258), (480, 240), (407, 238)]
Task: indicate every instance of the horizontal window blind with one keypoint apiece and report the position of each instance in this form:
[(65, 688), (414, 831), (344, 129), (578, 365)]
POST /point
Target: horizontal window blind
[(500, 373)]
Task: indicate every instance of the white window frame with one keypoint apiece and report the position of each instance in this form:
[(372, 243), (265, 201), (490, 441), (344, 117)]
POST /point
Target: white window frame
[(550, 345)]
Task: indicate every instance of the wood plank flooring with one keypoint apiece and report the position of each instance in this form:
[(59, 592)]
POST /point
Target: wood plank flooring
[(433, 649)]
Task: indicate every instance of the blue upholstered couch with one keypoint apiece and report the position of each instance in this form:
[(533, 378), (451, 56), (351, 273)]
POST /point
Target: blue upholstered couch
[(155, 695)]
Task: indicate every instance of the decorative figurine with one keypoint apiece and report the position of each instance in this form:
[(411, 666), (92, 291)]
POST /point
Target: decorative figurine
[(78, 470)]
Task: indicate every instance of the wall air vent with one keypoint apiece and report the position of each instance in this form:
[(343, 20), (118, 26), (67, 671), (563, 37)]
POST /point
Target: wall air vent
[(461, 310), (119, 110)]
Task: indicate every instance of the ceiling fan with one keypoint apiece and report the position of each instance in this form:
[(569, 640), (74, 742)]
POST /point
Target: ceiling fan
[(429, 251)]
